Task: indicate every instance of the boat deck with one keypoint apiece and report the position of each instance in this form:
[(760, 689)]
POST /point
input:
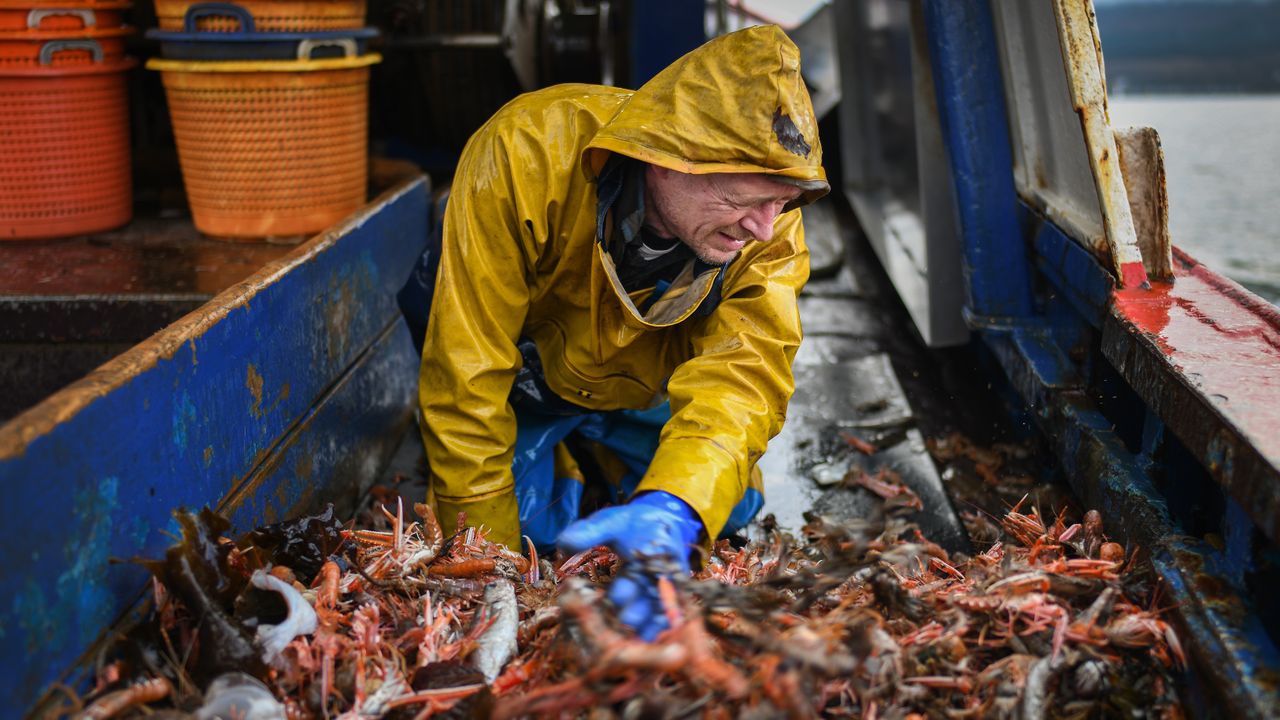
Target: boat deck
[(846, 387)]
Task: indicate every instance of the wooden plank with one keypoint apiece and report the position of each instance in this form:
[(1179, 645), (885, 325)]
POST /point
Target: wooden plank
[(185, 418)]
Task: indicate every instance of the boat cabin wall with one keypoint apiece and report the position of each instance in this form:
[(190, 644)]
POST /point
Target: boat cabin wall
[(895, 170)]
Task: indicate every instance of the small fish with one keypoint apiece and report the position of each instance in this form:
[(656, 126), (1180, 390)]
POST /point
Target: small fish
[(498, 643)]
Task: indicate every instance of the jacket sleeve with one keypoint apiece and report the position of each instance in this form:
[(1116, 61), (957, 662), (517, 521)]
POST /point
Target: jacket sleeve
[(469, 357), (730, 398)]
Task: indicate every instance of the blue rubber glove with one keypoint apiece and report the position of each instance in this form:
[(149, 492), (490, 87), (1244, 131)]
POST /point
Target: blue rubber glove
[(654, 524)]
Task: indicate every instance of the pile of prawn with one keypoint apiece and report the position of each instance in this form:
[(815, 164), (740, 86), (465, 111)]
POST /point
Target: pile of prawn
[(867, 619)]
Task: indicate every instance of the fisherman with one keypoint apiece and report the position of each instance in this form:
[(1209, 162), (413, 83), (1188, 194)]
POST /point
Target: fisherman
[(616, 292)]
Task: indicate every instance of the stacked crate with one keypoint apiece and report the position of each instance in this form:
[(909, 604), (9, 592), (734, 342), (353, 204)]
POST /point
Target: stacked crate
[(64, 141), (269, 102)]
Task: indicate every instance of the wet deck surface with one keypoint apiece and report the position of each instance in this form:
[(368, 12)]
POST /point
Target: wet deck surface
[(150, 256), (67, 306), (846, 387)]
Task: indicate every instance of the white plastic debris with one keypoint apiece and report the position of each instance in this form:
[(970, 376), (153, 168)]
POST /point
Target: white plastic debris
[(301, 620), (236, 696)]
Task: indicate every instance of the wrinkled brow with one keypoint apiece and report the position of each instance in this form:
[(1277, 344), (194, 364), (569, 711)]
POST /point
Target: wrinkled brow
[(752, 198)]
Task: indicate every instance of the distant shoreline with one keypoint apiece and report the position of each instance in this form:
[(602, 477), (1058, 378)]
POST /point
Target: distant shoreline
[(1188, 94), (1192, 46)]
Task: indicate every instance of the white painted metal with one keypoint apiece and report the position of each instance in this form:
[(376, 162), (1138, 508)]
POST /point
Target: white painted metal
[(896, 175), (1082, 61), (1051, 161)]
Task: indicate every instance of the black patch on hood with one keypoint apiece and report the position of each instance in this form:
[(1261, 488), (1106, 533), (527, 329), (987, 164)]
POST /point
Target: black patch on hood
[(789, 135)]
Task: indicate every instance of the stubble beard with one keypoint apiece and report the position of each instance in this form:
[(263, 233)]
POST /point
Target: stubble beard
[(717, 261)]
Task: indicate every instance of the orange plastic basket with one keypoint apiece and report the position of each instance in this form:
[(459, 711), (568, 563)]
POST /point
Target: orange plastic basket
[(65, 16), (64, 151), (270, 148), (61, 48), (269, 15), (104, 4)]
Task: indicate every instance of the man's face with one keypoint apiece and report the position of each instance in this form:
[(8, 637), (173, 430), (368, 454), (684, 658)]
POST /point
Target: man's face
[(717, 214)]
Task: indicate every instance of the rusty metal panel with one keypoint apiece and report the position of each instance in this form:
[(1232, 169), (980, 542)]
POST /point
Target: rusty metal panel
[(1082, 58), (197, 415), (1068, 160), (1051, 161)]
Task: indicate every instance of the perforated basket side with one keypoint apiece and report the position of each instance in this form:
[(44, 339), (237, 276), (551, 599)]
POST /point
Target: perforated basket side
[(271, 15), (270, 153), (64, 154)]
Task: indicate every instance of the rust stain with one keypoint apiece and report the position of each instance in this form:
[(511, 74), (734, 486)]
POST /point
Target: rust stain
[(253, 381), (306, 466), (208, 455), (280, 397), (338, 318), (304, 502), (265, 465)]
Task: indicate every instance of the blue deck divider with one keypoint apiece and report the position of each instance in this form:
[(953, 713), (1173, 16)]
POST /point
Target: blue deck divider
[(282, 390)]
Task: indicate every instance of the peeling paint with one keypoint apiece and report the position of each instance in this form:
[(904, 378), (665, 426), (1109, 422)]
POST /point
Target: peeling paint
[(1082, 61), (253, 381), (280, 397), (337, 316)]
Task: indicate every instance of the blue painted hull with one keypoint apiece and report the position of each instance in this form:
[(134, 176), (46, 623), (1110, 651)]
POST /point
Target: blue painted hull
[(288, 388)]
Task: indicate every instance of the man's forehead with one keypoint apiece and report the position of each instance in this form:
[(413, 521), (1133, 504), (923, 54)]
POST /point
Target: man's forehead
[(755, 186)]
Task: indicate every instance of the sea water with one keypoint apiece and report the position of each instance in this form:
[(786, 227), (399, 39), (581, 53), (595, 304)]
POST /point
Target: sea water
[(1222, 161)]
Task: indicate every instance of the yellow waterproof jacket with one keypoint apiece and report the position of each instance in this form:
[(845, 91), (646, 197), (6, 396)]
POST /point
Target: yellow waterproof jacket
[(521, 258)]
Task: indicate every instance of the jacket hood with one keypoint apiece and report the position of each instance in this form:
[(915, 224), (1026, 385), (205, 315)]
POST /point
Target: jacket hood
[(735, 104)]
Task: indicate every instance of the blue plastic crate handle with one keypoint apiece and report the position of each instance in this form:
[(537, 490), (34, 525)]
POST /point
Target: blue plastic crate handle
[(217, 9), (37, 16), (54, 46)]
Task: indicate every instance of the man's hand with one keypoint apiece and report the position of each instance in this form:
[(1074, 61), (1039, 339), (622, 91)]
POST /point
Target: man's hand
[(652, 525)]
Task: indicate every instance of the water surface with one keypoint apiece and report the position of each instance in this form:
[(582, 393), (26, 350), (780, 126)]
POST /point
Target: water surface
[(1222, 159)]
